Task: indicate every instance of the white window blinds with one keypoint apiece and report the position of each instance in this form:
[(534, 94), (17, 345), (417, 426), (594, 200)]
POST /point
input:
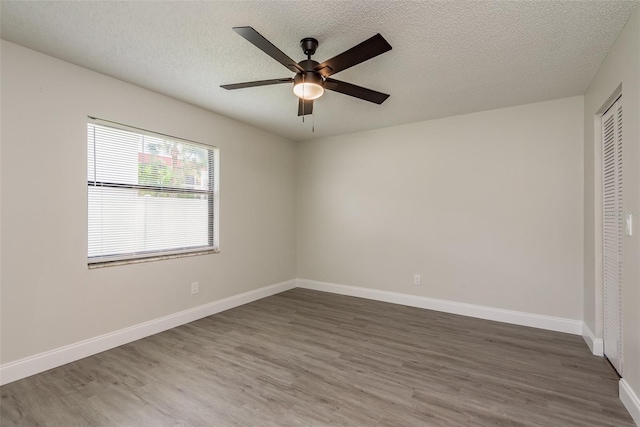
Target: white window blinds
[(148, 194)]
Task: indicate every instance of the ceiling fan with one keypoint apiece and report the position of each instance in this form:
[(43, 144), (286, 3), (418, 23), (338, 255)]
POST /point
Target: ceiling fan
[(312, 78)]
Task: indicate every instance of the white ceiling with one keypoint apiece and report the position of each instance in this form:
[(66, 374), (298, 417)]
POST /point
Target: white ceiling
[(448, 58)]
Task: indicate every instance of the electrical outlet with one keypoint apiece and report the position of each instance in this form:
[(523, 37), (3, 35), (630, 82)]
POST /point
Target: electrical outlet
[(416, 280), (194, 288)]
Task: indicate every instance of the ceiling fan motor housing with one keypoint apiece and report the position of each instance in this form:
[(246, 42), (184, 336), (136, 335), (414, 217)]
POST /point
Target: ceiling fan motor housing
[(308, 65)]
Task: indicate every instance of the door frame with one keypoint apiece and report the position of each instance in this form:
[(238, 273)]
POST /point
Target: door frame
[(599, 219)]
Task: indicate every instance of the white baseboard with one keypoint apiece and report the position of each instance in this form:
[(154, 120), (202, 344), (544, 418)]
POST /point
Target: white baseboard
[(596, 345), (558, 324), (630, 400), (32, 365)]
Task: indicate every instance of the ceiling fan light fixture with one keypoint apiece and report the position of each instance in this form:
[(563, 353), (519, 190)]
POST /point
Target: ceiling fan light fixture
[(308, 86)]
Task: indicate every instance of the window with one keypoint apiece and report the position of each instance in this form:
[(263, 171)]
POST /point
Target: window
[(149, 194)]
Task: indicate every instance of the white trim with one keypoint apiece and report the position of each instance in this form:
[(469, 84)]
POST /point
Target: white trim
[(32, 365), (630, 400), (596, 345), (551, 323)]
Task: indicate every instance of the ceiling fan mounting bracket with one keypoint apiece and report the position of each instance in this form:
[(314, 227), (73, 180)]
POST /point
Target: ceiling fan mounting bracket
[(309, 45)]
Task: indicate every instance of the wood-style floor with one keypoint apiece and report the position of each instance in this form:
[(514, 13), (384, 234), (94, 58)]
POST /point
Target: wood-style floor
[(305, 358)]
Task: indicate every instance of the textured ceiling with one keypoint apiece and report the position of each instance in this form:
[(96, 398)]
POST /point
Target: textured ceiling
[(448, 58)]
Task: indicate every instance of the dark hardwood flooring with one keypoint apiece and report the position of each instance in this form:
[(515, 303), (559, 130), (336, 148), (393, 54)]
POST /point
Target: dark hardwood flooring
[(305, 358)]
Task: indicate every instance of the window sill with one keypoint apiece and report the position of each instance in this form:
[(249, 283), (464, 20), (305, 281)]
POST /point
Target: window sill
[(151, 258)]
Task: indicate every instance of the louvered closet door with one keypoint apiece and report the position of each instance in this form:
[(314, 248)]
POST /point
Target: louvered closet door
[(613, 232)]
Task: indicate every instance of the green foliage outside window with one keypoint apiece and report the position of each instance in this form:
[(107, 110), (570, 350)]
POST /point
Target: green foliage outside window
[(156, 173), (191, 160)]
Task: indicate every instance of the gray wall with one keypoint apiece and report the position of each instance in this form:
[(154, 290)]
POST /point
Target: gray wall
[(49, 296), (487, 207)]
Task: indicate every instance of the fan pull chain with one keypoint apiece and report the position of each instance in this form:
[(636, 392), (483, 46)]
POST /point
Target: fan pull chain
[(313, 122), (304, 104)]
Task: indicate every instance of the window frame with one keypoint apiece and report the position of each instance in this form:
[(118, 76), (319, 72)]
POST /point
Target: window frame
[(213, 201)]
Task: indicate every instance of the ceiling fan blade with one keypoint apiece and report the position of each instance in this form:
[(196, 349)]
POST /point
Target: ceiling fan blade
[(305, 106), (257, 83), (366, 50), (356, 91), (267, 47)]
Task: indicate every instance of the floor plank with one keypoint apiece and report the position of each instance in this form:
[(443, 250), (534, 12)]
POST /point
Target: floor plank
[(306, 358)]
